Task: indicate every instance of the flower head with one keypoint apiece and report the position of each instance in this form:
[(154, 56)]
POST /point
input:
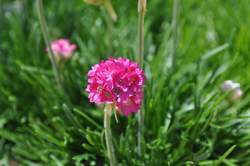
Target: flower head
[(62, 48), (118, 82)]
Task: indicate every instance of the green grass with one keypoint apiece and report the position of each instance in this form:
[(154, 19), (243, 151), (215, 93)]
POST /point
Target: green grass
[(188, 120)]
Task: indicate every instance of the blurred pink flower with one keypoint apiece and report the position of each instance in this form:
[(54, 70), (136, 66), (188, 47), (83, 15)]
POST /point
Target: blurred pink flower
[(62, 48), (117, 81)]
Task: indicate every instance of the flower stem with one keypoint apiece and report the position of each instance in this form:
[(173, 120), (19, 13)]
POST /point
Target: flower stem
[(141, 12), (54, 64), (175, 32), (108, 135), (47, 42)]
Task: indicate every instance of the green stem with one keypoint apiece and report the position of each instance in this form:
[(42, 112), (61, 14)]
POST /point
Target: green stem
[(141, 12), (175, 32), (47, 42), (54, 63), (141, 37), (108, 135)]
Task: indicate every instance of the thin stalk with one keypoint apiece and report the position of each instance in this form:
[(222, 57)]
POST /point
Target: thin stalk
[(47, 42), (108, 135), (54, 63), (141, 12), (141, 36), (175, 32)]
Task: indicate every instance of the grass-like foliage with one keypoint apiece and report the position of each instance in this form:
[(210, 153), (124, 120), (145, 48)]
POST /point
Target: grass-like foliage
[(188, 120)]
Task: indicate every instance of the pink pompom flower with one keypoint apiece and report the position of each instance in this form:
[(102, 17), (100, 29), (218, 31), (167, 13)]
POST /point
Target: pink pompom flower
[(118, 82), (62, 48)]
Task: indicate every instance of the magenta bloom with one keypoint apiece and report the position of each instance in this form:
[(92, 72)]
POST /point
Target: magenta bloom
[(117, 81), (62, 48)]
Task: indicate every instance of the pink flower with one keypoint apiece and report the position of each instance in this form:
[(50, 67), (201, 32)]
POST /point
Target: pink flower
[(118, 82), (62, 48)]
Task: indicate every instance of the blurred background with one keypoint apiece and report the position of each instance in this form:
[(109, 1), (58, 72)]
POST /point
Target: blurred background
[(188, 119)]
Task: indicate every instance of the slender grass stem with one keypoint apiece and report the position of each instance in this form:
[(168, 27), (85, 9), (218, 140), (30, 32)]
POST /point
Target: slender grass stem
[(108, 135), (54, 64), (141, 12), (47, 42), (175, 32), (141, 33)]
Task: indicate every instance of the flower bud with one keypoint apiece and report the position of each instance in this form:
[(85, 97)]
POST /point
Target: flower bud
[(234, 89), (227, 85), (236, 86), (236, 95), (142, 4)]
